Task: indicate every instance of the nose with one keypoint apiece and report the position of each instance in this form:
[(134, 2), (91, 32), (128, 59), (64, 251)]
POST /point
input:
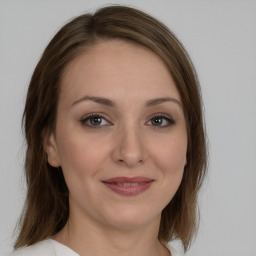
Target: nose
[(130, 148)]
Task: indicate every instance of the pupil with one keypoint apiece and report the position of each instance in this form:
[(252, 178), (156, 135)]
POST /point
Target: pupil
[(157, 121), (95, 120)]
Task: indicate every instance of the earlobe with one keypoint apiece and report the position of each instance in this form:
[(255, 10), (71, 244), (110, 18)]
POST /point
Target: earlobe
[(51, 150)]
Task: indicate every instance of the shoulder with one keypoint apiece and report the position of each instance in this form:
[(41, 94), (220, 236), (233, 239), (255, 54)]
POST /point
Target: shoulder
[(172, 250), (42, 248)]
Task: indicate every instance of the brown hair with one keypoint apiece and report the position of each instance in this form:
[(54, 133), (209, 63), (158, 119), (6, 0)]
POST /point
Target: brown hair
[(47, 208)]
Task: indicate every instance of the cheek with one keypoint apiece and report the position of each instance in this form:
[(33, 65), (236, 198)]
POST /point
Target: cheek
[(171, 155), (80, 163), (171, 160), (79, 157)]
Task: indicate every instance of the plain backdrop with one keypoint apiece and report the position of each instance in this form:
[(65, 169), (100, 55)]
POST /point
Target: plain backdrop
[(220, 36)]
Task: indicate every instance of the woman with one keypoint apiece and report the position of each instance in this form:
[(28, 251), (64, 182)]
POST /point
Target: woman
[(115, 140)]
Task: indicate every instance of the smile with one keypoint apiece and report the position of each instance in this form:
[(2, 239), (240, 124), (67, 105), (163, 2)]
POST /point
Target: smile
[(128, 186)]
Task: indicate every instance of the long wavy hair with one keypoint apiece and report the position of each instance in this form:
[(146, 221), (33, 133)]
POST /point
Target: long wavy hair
[(46, 209)]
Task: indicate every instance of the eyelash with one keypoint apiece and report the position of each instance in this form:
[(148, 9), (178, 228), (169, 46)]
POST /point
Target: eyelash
[(170, 121), (90, 116)]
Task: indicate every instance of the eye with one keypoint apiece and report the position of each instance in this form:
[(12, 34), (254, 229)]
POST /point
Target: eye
[(94, 121), (160, 120)]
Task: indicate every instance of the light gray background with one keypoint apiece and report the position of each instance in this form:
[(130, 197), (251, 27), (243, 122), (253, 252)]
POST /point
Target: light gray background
[(221, 39)]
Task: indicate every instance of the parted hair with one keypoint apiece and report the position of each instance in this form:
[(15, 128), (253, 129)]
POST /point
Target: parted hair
[(46, 209)]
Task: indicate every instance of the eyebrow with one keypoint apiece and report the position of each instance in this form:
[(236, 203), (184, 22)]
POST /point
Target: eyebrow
[(158, 101), (109, 103)]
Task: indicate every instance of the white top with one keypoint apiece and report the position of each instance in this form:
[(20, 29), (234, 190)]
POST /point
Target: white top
[(50, 247)]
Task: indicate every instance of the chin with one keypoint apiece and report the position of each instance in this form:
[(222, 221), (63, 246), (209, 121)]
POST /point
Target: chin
[(131, 219)]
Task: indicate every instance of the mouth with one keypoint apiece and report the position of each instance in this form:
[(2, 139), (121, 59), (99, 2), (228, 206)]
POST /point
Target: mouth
[(128, 186)]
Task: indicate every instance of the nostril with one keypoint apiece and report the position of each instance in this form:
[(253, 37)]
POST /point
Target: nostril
[(129, 154)]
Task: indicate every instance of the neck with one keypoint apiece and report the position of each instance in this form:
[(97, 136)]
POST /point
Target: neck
[(87, 238)]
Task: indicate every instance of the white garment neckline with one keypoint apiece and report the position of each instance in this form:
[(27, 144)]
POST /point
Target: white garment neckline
[(62, 250)]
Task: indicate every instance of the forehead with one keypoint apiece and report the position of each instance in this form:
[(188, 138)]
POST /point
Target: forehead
[(116, 68)]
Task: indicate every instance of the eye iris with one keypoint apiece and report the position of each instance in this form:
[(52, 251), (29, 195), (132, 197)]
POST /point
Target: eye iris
[(95, 120), (157, 121)]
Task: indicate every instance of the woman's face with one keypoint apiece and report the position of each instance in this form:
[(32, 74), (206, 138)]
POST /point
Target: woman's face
[(120, 135)]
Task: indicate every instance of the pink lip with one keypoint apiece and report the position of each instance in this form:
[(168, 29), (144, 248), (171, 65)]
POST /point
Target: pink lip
[(128, 186)]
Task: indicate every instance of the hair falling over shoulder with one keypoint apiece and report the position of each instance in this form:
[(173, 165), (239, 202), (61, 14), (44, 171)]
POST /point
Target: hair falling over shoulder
[(46, 210)]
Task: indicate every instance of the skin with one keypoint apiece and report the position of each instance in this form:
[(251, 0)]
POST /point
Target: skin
[(127, 141)]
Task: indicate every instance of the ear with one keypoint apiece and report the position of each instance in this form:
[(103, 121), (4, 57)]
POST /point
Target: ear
[(51, 150)]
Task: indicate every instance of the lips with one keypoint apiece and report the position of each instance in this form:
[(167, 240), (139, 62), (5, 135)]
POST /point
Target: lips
[(128, 186)]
